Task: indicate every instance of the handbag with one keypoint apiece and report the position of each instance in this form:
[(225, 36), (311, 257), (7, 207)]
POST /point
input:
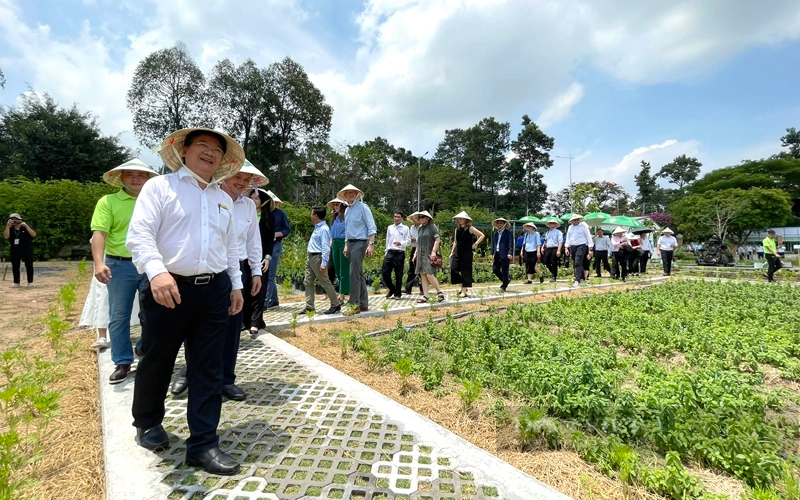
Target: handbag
[(437, 261)]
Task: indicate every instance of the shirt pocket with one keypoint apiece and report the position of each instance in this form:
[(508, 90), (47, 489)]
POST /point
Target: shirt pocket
[(241, 227)]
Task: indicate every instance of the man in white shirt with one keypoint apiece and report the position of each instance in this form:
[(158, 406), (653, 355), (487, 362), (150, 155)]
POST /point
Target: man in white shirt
[(579, 237), (665, 248), (647, 253), (182, 236), (397, 236), (602, 247)]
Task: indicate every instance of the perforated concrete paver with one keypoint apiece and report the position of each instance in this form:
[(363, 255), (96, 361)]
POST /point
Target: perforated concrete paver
[(305, 431)]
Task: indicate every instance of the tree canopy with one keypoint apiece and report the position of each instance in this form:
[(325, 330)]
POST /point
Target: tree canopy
[(681, 171)]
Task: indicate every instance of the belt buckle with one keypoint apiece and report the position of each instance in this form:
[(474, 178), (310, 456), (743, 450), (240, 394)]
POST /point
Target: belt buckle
[(202, 280)]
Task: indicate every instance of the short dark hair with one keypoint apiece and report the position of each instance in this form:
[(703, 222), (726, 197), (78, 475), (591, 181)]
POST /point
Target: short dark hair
[(320, 212), (194, 134), (397, 212), (771, 231)]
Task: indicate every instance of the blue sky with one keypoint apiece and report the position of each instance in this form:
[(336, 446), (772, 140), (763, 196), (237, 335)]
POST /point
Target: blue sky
[(613, 81)]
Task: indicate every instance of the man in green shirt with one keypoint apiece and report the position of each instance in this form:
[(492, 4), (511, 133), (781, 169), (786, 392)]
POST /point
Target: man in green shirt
[(771, 253), (112, 261)]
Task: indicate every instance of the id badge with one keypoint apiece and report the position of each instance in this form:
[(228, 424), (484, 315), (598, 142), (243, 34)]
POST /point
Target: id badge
[(16, 241)]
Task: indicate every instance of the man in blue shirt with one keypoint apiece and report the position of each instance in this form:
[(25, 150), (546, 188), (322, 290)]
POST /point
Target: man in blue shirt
[(319, 250), (282, 230), (360, 231)]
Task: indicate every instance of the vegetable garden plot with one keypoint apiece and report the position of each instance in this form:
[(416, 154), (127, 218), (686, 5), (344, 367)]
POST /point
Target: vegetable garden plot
[(639, 382)]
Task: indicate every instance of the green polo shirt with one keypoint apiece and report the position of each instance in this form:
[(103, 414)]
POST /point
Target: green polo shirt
[(769, 246), (112, 214)]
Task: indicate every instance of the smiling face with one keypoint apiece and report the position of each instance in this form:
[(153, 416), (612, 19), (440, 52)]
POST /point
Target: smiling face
[(203, 156), (133, 180), (422, 219), (237, 184)]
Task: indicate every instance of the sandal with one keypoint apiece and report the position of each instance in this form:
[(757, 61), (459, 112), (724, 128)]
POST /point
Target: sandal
[(422, 300), (440, 297)]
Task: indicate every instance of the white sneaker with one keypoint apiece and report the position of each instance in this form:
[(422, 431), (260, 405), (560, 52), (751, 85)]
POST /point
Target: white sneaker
[(100, 343), (15, 285), (576, 284)]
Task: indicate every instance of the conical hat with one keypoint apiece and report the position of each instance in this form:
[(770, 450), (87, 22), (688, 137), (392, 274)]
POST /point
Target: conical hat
[(618, 230), (349, 187), (416, 215), (335, 200), (505, 224), (666, 230), (171, 148), (411, 217), (274, 197), (462, 215), (114, 176), (259, 179), (575, 217)]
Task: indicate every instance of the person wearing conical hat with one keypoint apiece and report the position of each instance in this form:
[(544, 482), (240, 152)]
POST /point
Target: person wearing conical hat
[(413, 234), (265, 206), (578, 247), (530, 252), (620, 250), (665, 248), (602, 248), (183, 236), (282, 229), (552, 245), (360, 231), (463, 250), (502, 251), (113, 265)]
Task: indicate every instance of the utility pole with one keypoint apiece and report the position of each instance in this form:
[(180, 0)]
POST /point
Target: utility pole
[(571, 201), (419, 180)]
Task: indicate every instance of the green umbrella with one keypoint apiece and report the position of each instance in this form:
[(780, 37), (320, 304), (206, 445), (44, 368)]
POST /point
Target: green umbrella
[(621, 220), (566, 217), (530, 218), (595, 218)]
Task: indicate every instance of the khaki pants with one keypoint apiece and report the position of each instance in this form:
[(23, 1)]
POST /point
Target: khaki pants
[(313, 276)]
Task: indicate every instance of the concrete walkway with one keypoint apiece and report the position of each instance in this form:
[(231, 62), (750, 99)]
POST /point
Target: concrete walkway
[(309, 431)]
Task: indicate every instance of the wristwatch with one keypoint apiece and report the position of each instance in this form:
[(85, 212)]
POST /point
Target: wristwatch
[(268, 257)]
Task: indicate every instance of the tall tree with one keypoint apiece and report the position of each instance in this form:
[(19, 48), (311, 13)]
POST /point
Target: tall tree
[(647, 185), (532, 147), (681, 171), (167, 93), (525, 192), (296, 112), (445, 188), (238, 95), (42, 141), (792, 141)]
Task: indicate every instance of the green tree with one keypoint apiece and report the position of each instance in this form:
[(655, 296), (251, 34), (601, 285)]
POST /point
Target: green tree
[(731, 213), (445, 188), (42, 141), (647, 185), (525, 192), (594, 196), (792, 141), (167, 94), (296, 113), (681, 171), (238, 95), (533, 147)]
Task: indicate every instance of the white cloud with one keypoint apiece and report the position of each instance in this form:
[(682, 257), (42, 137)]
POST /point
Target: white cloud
[(559, 108), (657, 155)]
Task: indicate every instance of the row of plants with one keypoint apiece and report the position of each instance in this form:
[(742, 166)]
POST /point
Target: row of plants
[(639, 382), (27, 403)]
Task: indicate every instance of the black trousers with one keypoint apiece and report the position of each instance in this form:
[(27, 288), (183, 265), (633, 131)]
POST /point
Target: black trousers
[(551, 261), (411, 277), (249, 300), (530, 262), (201, 322), (619, 264), (601, 262), (500, 268), (18, 256), (772, 265), (580, 254), (393, 262), (643, 259), (234, 333), (633, 261), (666, 261)]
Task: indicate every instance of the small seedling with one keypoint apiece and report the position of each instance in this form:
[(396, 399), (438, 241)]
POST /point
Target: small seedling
[(385, 308), (294, 322)]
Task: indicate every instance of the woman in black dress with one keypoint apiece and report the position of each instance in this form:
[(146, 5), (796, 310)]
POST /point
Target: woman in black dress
[(462, 251)]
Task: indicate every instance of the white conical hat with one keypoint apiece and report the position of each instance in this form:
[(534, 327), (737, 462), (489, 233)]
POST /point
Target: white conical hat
[(335, 200), (462, 215), (259, 179), (505, 222), (232, 160), (349, 187), (114, 176), (666, 230), (619, 230), (274, 197)]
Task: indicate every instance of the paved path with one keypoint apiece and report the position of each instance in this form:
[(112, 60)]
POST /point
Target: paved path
[(309, 431)]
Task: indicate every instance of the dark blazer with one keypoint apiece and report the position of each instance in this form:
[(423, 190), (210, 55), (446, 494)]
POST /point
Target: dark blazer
[(506, 243)]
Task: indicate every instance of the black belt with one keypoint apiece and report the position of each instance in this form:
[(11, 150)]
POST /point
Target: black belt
[(314, 253), (117, 257), (353, 240), (398, 251), (197, 279)]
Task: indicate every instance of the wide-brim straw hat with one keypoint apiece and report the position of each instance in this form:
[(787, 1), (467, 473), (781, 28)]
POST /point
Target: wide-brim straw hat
[(666, 230), (618, 230), (531, 224), (548, 222), (576, 217), (274, 197), (335, 200), (462, 215), (259, 179), (416, 215), (171, 149), (114, 176), (349, 187), (505, 224)]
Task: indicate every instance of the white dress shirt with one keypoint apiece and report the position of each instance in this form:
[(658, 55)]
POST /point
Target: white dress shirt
[(667, 243), (647, 244), (179, 228), (397, 233), (413, 232), (248, 236), (579, 235)]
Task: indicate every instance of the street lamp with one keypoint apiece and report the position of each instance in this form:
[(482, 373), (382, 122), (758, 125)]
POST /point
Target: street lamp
[(571, 202), (419, 180)]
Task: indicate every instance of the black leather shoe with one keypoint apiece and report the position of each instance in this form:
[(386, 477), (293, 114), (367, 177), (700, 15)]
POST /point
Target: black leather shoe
[(214, 461), (154, 438), (389, 295), (363, 309), (119, 374), (234, 392), (181, 384), (333, 310)]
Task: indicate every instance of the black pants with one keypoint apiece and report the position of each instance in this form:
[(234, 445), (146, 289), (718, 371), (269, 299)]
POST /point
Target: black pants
[(643, 259), (551, 261), (601, 259), (633, 261), (619, 264), (580, 254), (411, 277), (772, 265), (530, 262), (500, 268), (26, 256), (393, 262), (201, 322), (666, 261), (249, 300)]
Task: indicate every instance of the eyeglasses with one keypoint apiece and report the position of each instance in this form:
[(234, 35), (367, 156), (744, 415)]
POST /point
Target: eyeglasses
[(206, 147)]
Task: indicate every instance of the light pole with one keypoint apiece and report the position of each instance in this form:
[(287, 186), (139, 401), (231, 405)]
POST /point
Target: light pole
[(419, 179), (571, 202)]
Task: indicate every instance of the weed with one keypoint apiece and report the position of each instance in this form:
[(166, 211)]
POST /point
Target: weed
[(470, 393), (404, 368)]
